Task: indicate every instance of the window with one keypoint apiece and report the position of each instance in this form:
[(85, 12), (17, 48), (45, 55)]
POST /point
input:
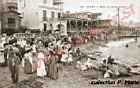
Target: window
[(44, 1), (53, 14), (44, 15), (51, 26), (59, 15), (45, 27), (11, 20), (24, 3), (59, 26)]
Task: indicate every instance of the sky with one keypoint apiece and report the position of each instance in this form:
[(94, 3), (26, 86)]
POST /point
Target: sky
[(129, 14)]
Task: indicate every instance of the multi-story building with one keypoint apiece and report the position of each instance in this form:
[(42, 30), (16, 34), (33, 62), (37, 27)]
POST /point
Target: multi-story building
[(80, 21), (10, 19), (42, 14), (0, 13), (87, 23)]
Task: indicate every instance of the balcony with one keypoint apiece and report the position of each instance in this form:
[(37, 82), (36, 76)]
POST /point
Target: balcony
[(10, 7), (57, 2), (53, 19)]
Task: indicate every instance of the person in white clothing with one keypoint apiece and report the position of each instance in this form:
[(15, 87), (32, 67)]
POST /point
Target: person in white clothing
[(41, 72)]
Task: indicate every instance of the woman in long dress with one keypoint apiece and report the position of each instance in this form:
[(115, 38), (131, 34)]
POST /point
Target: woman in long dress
[(28, 63), (41, 71), (52, 66)]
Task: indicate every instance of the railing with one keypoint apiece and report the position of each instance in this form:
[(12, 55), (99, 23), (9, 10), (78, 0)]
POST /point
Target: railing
[(53, 19)]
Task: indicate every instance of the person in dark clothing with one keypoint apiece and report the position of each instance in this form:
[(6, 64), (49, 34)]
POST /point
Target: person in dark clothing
[(12, 41), (126, 45), (110, 60), (5, 53), (20, 53), (13, 63), (46, 43), (78, 51)]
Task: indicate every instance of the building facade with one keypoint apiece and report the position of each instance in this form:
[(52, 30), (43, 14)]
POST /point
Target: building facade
[(88, 23), (80, 21), (42, 14), (0, 14), (10, 19)]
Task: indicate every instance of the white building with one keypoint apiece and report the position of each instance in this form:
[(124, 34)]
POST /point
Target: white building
[(42, 14), (0, 14)]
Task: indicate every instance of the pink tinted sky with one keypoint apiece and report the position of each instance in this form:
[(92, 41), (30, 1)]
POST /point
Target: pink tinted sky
[(134, 11)]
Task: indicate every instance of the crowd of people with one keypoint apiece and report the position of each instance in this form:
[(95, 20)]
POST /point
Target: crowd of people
[(40, 55)]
